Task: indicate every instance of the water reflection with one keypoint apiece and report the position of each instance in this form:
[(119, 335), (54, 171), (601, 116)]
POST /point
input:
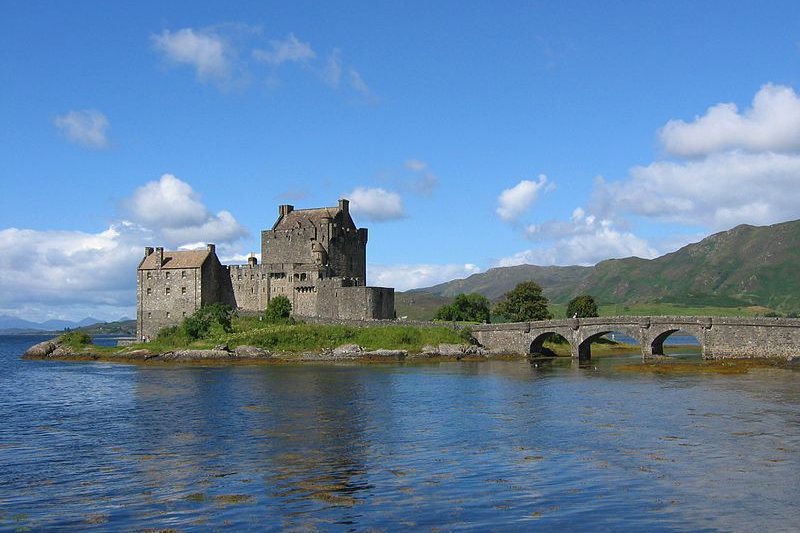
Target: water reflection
[(549, 444)]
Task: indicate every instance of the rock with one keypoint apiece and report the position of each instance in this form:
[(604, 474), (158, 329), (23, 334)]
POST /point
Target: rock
[(475, 350), (43, 349), (62, 350), (250, 352), (347, 349), (222, 347), (384, 355), (451, 350), (429, 350), (196, 355)]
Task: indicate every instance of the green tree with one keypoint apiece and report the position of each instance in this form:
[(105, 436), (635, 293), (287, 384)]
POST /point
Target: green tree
[(278, 310), (523, 303), (466, 308), (582, 306), (212, 316)]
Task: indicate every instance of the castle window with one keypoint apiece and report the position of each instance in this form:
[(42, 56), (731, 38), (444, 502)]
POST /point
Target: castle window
[(168, 315), (239, 277), (149, 275), (166, 275), (183, 273), (149, 315), (149, 291), (183, 290), (183, 313), (251, 290), (166, 291)]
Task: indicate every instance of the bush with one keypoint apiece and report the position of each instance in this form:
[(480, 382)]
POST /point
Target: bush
[(76, 338), (278, 311), (465, 308), (199, 325)]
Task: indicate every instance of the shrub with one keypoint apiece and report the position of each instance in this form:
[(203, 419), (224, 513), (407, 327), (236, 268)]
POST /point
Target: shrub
[(199, 325), (278, 311), (466, 308), (76, 338)]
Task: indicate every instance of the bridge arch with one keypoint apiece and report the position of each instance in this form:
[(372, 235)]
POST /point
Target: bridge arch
[(590, 334), (656, 342), (537, 343)]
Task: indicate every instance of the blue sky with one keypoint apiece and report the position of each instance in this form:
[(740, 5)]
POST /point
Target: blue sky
[(467, 135)]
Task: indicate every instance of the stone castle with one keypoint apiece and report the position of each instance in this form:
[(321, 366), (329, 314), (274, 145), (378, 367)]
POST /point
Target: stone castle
[(317, 258)]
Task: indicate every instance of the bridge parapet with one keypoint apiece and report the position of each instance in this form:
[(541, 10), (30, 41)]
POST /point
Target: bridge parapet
[(719, 337)]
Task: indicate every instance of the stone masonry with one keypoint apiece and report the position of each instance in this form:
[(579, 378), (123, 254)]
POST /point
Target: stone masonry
[(719, 337), (317, 258)]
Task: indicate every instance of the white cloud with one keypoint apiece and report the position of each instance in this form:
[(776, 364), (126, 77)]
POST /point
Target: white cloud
[(204, 50), (358, 84), (424, 181), (69, 274), (772, 123), (289, 49), (718, 192), (332, 74), (404, 277), (73, 274), (416, 165), (583, 240), (87, 128), (515, 201), (376, 204), (172, 206)]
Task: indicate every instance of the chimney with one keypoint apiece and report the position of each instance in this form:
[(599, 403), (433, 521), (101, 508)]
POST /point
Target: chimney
[(160, 255), (285, 209), (148, 250), (211, 248), (252, 260), (344, 205)]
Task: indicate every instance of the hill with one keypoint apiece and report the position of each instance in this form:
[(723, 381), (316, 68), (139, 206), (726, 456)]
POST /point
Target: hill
[(745, 266)]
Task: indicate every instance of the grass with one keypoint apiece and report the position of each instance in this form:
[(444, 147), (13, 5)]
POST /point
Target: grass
[(298, 338)]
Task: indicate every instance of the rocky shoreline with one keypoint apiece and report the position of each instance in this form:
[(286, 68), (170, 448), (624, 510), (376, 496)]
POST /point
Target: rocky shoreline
[(57, 350)]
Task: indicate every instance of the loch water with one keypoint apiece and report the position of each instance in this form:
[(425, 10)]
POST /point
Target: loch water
[(492, 446)]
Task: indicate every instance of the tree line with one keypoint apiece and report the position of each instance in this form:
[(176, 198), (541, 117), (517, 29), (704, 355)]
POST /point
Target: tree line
[(523, 303)]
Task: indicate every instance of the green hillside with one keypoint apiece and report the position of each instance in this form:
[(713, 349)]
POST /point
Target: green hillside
[(747, 269)]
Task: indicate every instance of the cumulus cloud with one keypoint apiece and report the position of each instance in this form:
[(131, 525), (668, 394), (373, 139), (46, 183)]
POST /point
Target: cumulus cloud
[(86, 127), (176, 209), (69, 274), (376, 204), (290, 49), (513, 202), (204, 50), (718, 191), (772, 123), (405, 276), (73, 274), (584, 240)]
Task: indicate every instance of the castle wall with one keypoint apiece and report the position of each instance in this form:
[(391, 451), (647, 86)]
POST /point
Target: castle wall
[(165, 297), (250, 285)]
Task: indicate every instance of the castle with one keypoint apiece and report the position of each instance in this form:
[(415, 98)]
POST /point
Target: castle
[(317, 258)]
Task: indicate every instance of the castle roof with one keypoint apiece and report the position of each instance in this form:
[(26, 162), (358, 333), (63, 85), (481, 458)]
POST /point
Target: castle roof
[(177, 259), (316, 217)]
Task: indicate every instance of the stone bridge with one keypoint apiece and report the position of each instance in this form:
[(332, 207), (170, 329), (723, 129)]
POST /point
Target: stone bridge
[(718, 337)]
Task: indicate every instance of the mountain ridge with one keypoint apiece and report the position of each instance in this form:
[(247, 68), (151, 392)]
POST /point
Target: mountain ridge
[(746, 265)]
